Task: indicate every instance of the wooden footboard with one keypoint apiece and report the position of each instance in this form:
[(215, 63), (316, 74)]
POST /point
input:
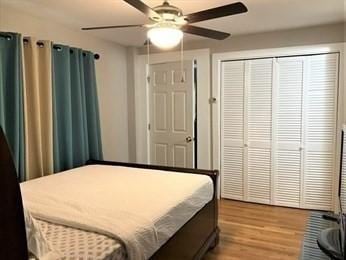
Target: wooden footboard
[(200, 233)]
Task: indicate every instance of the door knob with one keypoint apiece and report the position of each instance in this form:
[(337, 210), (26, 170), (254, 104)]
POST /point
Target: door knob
[(188, 139)]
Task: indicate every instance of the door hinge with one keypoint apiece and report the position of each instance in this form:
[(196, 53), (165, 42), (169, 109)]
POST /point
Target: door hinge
[(148, 79), (212, 100), (149, 127)]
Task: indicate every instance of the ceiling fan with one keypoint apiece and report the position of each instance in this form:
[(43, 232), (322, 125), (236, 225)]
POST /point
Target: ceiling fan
[(168, 23)]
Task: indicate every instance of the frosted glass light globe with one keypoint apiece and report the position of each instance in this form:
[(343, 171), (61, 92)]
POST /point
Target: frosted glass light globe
[(165, 38)]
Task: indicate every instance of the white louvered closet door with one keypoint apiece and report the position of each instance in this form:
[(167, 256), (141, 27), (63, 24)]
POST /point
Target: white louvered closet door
[(320, 116), (287, 137), (278, 130), (258, 121), (232, 129)]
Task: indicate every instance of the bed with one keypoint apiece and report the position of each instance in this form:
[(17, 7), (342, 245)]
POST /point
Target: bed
[(185, 225)]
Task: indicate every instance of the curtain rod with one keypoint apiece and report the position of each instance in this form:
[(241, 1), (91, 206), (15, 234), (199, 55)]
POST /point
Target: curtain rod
[(58, 48), (6, 36), (41, 44)]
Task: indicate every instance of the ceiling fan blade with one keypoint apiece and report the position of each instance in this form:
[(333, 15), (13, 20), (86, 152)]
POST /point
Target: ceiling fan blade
[(139, 5), (112, 27), (221, 11), (217, 35)]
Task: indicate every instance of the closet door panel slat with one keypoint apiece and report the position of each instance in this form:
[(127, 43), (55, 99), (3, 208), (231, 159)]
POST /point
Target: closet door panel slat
[(259, 129), (232, 130), (320, 131), (288, 134)]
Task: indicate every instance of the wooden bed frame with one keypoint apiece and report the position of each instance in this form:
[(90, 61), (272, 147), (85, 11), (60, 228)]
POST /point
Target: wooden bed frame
[(200, 233), (192, 241)]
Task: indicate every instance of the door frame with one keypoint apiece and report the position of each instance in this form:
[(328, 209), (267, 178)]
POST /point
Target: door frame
[(204, 137), (218, 58)]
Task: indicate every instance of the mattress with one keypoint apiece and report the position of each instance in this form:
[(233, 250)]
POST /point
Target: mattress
[(74, 243), (161, 201)]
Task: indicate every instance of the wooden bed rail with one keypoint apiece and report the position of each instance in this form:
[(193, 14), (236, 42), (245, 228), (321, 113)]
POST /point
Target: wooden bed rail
[(213, 174)]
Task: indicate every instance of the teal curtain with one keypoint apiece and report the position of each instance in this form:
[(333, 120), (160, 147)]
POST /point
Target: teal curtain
[(11, 97), (92, 106), (76, 122)]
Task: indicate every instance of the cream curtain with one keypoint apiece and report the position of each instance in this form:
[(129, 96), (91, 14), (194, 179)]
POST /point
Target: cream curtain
[(38, 108)]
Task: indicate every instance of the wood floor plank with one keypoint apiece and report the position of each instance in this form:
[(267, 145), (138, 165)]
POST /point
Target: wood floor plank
[(256, 232)]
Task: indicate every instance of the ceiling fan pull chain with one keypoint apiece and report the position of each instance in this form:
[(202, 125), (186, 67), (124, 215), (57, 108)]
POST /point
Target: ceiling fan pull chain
[(182, 60), (148, 60)]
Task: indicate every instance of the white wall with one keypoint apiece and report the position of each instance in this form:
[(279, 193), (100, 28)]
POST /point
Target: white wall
[(111, 71)]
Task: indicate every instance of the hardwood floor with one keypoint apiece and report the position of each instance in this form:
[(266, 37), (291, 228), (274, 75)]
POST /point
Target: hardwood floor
[(258, 232)]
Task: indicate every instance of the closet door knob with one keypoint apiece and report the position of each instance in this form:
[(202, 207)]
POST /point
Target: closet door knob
[(188, 139)]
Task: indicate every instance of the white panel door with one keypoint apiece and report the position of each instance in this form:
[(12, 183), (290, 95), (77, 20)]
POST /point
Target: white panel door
[(232, 129), (258, 124), (287, 138), (172, 114), (320, 114)]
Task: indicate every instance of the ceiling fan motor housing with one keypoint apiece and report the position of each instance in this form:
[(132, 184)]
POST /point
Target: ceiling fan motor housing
[(170, 14)]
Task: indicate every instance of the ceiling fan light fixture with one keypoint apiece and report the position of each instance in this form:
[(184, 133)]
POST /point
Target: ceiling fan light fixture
[(169, 23), (165, 37)]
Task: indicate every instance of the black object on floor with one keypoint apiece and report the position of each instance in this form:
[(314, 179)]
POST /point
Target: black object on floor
[(310, 249), (331, 217), (329, 242)]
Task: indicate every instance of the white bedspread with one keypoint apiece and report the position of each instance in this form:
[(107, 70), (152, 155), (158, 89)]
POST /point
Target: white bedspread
[(141, 208)]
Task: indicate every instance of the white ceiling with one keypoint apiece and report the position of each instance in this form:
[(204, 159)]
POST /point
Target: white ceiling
[(263, 15)]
